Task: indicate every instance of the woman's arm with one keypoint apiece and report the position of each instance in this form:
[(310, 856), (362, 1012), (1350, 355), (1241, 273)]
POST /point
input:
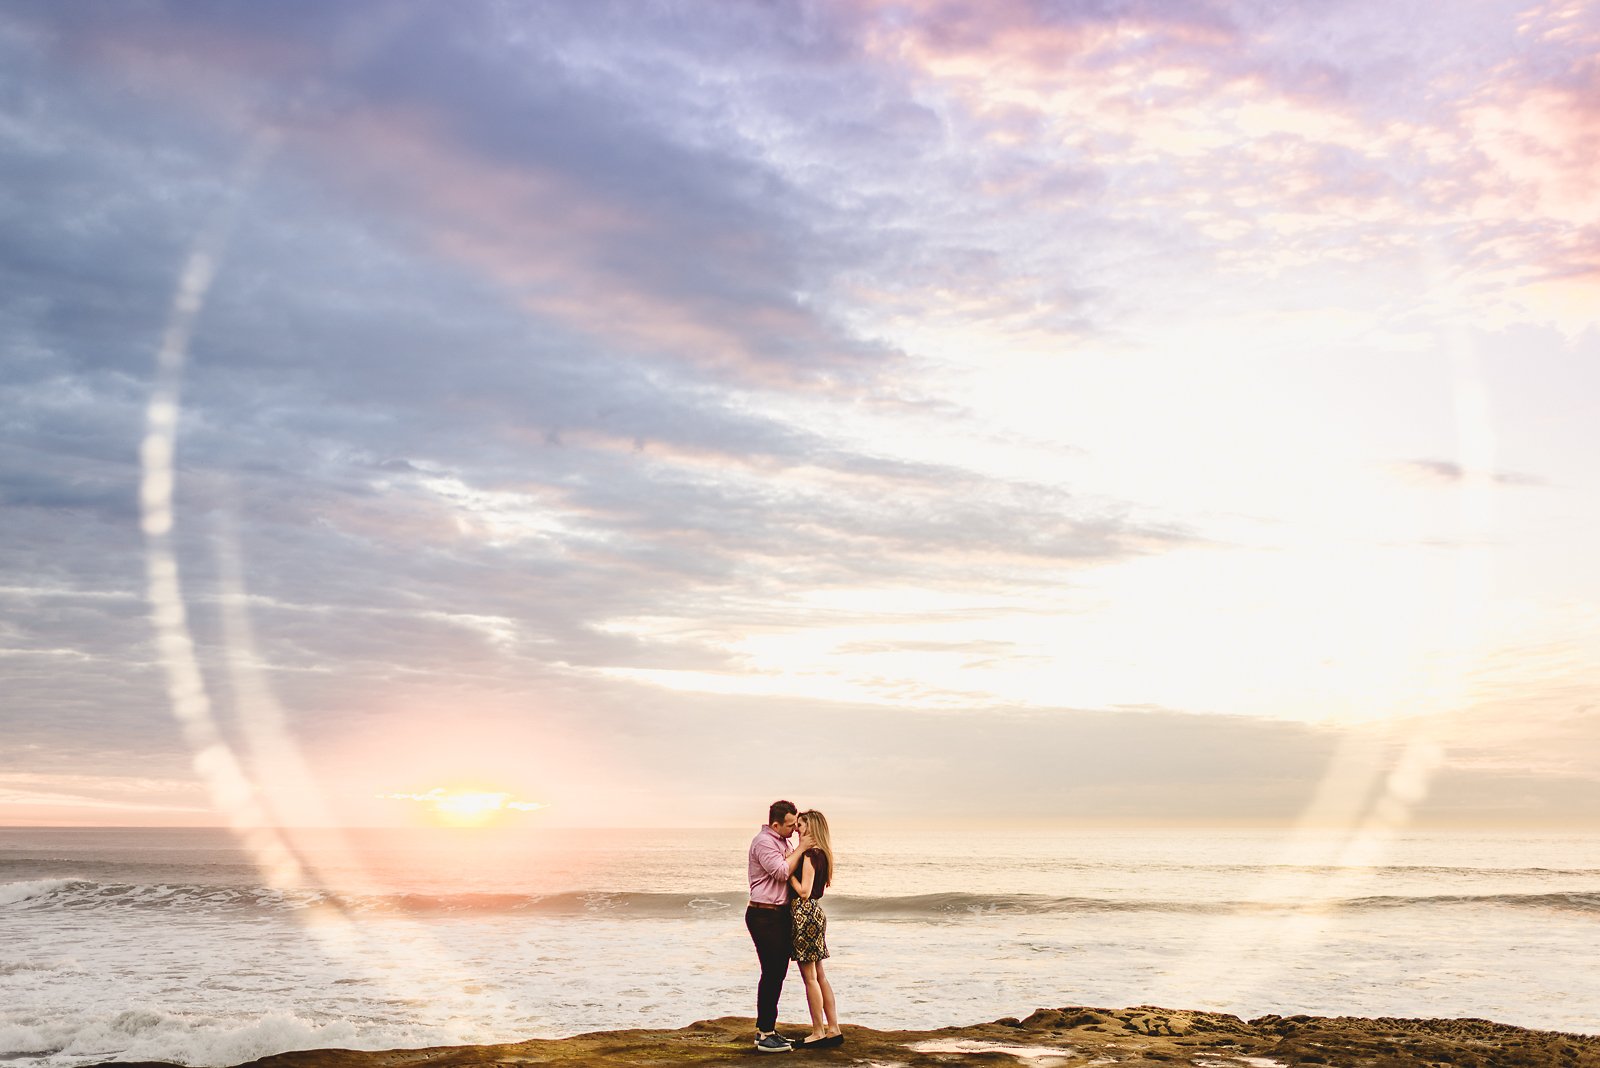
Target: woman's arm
[(808, 875)]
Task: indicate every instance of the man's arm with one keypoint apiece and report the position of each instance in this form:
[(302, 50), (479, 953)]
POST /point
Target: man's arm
[(769, 854)]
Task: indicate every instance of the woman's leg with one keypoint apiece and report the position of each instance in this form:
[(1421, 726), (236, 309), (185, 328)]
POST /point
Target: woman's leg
[(809, 970), (825, 990)]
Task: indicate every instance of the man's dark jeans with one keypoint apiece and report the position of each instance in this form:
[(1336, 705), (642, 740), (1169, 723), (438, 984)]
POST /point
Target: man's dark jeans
[(769, 930)]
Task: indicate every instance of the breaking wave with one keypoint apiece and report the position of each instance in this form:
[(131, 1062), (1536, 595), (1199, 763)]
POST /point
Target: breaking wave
[(82, 894)]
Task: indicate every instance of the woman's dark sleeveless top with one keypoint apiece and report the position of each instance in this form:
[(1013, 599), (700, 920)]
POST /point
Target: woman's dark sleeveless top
[(819, 864)]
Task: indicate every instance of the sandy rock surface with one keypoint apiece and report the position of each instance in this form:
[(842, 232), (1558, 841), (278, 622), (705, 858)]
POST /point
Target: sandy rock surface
[(1049, 1038)]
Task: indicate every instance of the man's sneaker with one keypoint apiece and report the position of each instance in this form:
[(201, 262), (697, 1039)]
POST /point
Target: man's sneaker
[(773, 1043)]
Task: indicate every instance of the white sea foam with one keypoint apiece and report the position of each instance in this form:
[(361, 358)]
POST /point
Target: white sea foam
[(22, 967), (170, 954), (11, 893), (157, 1035)]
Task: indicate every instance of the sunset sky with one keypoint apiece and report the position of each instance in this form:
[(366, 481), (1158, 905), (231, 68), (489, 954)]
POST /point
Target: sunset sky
[(1027, 412)]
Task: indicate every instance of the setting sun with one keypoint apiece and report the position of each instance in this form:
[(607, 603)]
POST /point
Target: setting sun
[(467, 808)]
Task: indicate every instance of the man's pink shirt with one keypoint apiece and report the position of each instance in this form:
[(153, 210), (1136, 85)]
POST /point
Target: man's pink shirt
[(769, 869)]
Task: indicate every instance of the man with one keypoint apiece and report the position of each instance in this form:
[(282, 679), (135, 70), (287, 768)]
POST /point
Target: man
[(767, 918)]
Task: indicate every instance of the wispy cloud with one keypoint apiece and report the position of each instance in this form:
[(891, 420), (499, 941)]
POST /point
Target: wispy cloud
[(1450, 473)]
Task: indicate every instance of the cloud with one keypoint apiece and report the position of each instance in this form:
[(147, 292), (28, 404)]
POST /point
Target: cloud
[(1450, 473), (556, 186), (391, 505), (1277, 147), (399, 447), (34, 799)]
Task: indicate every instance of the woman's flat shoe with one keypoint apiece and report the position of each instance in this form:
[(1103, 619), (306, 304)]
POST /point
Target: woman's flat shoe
[(826, 1043)]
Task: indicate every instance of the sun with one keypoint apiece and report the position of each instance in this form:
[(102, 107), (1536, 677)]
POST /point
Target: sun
[(466, 807), (471, 807)]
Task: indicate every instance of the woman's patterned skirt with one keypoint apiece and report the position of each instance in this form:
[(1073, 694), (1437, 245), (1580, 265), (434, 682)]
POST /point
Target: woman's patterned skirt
[(810, 931)]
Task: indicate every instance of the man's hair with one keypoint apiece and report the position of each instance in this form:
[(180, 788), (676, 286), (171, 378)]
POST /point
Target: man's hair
[(779, 809)]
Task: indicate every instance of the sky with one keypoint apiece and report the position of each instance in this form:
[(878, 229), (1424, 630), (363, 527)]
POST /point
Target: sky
[(1079, 412)]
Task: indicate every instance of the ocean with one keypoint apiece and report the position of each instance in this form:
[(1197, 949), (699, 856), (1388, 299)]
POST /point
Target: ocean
[(190, 946)]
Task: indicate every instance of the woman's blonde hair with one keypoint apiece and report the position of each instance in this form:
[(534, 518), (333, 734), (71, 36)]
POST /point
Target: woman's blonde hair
[(817, 828)]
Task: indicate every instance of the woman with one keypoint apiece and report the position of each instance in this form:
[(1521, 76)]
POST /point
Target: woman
[(811, 930)]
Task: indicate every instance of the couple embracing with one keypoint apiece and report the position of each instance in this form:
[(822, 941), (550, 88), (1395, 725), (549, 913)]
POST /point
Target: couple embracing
[(786, 922)]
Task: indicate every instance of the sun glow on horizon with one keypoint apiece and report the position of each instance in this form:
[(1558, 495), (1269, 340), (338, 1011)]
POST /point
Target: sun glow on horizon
[(467, 807)]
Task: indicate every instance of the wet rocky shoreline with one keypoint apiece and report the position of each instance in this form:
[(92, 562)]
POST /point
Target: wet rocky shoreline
[(1048, 1038)]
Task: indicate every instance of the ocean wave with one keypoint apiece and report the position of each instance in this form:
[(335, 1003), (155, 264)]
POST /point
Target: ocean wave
[(149, 1034), (76, 894), (79, 894), (957, 905), (11, 893), (1567, 902), (29, 968)]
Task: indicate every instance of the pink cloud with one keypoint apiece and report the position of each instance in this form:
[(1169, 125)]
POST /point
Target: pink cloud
[(1031, 37), (570, 253), (1240, 147)]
